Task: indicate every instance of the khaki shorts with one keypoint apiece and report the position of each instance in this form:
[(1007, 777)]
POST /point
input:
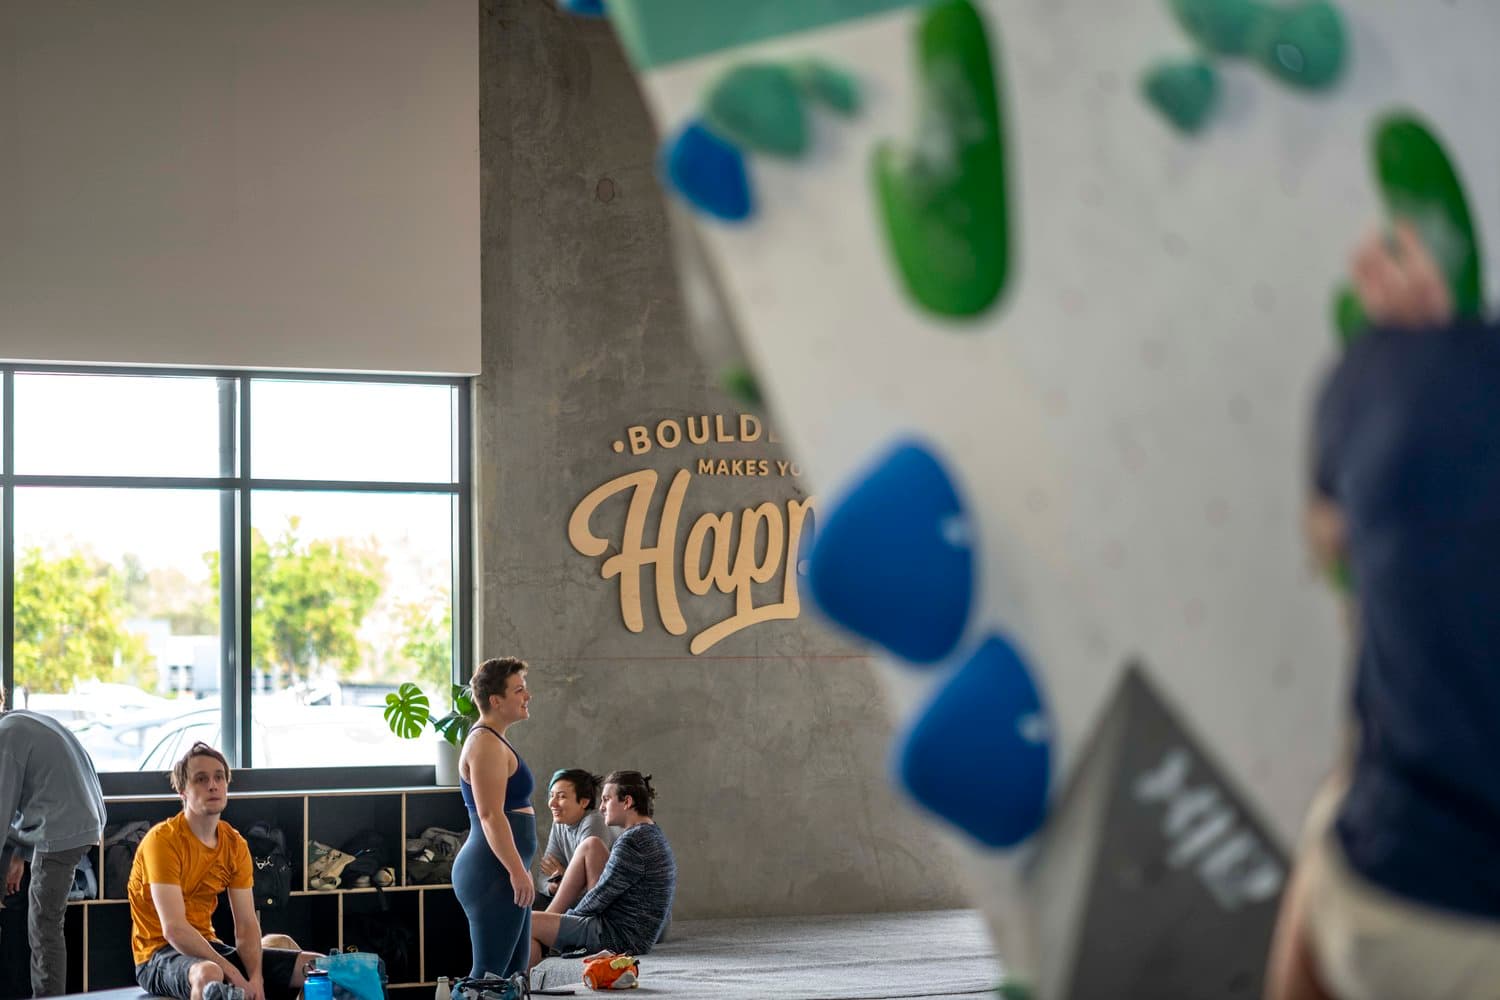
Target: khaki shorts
[(1369, 943)]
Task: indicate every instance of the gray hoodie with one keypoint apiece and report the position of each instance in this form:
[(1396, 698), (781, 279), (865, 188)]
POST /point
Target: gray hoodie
[(48, 789)]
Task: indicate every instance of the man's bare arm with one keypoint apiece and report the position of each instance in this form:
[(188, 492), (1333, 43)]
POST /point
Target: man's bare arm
[(182, 936)]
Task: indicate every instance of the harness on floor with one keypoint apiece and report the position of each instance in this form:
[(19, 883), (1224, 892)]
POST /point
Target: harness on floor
[(515, 987)]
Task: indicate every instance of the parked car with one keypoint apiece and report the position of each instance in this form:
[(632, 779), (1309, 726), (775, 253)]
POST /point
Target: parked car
[(291, 735)]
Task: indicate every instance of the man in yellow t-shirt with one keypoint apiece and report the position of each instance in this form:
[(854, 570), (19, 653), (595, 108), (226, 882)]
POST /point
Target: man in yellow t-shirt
[(180, 868)]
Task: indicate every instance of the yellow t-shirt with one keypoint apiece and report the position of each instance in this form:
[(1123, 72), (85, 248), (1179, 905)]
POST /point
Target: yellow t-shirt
[(170, 854)]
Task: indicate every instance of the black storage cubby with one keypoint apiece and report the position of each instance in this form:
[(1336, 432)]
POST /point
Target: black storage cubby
[(110, 963), (427, 918), (447, 954)]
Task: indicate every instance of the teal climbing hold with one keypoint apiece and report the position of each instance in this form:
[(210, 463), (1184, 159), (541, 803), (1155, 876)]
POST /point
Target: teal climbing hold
[(1185, 92), (759, 106), (1304, 46), (1223, 27), (942, 196), (828, 84)]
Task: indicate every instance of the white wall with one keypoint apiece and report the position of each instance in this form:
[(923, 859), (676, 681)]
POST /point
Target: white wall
[(277, 184)]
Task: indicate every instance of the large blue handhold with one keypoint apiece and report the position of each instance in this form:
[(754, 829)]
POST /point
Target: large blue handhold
[(709, 172), (894, 560), (583, 8), (980, 755)]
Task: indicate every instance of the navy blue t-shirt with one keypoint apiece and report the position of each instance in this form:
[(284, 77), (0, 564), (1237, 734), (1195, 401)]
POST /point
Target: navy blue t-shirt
[(1407, 443)]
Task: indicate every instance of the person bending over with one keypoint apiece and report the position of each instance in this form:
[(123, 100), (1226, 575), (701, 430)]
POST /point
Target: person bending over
[(627, 908), (1396, 892), (50, 797), (492, 872), (578, 845), (180, 868)]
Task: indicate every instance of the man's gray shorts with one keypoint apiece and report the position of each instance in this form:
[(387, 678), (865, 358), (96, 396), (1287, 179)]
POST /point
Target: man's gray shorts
[(165, 973), (577, 934)]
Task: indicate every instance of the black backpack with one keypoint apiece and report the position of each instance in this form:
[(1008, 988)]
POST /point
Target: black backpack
[(273, 868), (370, 853)]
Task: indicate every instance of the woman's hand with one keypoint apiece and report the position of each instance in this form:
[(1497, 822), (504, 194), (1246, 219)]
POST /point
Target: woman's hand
[(522, 886), (1399, 283), (551, 867)]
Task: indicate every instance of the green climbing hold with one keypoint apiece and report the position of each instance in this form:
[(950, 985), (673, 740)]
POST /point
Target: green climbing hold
[(1348, 316), (1341, 577), (1013, 989), (943, 196), (1184, 92), (1420, 185), (759, 106), (1224, 27), (740, 382), (832, 86), (1304, 46)]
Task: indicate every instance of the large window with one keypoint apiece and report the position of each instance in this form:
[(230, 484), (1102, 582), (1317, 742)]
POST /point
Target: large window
[(253, 560)]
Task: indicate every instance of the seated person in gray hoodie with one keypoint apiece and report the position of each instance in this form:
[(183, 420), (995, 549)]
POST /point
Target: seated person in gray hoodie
[(49, 793), (578, 845)]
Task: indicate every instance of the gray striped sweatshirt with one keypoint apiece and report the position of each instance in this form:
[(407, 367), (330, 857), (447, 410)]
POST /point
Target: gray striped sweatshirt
[(633, 897)]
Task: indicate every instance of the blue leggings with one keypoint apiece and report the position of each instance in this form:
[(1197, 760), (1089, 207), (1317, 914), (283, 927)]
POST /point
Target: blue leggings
[(499, 930)]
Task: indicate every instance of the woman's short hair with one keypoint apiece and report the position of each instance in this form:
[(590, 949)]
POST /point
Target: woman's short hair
[(179, 773), (585, 784), (491, 677), (637, 786)]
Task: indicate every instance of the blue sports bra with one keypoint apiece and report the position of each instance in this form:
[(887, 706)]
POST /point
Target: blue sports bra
[(517, 790)]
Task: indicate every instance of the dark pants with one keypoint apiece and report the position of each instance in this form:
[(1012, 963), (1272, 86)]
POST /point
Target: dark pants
[(46, 909)]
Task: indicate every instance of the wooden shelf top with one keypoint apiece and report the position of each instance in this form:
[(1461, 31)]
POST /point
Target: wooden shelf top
[(317, 793)]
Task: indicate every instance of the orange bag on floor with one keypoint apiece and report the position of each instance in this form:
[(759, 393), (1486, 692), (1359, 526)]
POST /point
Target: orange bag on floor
[(608, 971)]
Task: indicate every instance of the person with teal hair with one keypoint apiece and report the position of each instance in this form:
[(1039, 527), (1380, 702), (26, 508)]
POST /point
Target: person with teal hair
[(579, 842)]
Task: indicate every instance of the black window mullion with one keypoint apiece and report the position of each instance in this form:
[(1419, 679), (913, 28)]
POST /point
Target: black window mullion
[(463, 564), (243, 677), (8, 529), (228, 572)]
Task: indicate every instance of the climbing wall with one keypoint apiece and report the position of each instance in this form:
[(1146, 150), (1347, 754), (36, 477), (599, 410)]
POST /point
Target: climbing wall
[(1041, 293)]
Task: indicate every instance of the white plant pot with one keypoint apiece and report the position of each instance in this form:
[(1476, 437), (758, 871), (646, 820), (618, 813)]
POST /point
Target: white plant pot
[(447, 763)]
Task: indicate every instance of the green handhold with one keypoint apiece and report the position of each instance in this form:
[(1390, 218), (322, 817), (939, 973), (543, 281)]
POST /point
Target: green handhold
[(1341, 577), (832, 86), (1013, 989), (1420, 185), (1349, 316), (741, 383), (1224, 27), (759, 106), (942, 196), (1185, 92), (1303, 45)]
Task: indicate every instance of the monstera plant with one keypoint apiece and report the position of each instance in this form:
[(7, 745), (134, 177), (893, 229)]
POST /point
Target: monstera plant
[(408, 712)]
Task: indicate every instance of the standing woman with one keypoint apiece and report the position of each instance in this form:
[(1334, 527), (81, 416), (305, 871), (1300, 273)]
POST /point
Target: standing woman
[(492, 873)]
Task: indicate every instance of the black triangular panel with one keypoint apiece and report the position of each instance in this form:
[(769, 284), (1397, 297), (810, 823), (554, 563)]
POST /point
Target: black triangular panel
[(1155, 879)]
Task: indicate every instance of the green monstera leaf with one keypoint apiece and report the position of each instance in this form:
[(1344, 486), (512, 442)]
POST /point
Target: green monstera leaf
[(454, 727), (406, 711)]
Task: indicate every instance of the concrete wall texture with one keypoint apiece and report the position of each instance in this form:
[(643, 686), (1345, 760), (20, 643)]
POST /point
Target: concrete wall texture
[(768, 747)]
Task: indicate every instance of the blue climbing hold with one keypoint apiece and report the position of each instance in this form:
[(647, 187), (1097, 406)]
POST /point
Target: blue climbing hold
[(986, 722), (583, 8), (894, 560), (708, 172)]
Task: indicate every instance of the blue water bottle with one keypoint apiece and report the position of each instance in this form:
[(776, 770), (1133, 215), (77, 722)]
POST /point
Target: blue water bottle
[(317, 986)]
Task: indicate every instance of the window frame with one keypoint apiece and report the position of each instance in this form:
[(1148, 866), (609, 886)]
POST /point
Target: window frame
[(236, 486)]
